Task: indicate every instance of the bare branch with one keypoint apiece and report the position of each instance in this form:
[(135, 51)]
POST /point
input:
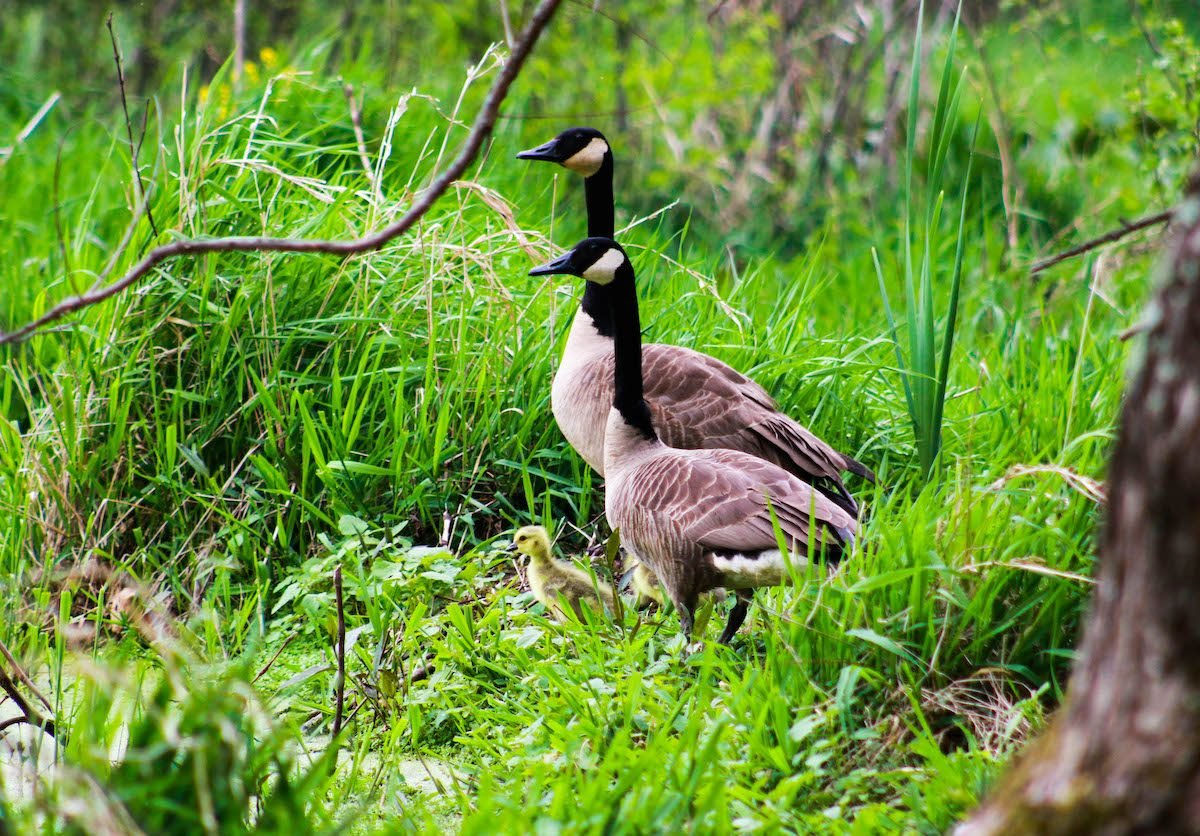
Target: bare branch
[(1127, 228), (29, 714), (480, 131), (273, 658), (24, 677), (340, 681), (356, 121), (239, 38), (133, 157)]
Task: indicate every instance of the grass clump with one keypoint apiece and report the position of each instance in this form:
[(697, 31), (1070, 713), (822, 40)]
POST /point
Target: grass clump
[(925, 369)]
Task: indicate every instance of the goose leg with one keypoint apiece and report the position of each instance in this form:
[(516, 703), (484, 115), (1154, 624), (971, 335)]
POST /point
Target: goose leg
[(736, 615), (687, 618), (685, 605)]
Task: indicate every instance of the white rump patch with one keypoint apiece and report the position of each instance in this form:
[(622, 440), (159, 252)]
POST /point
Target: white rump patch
[(588, 159), (604, 269), (765, 568)]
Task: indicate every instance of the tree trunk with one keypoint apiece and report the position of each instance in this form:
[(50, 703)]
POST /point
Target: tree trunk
[(1123, 754)]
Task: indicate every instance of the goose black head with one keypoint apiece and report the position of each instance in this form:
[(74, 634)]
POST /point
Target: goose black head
[(582, 150), (595, 259)]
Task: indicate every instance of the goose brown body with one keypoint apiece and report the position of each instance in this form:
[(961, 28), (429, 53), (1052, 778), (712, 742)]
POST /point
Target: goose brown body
[(695, 400), (702, 519)]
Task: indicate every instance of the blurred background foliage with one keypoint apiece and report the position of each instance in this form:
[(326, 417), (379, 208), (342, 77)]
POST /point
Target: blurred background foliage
[(729, 106)]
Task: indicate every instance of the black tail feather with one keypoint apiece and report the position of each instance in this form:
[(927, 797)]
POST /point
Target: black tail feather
[(859, 469)]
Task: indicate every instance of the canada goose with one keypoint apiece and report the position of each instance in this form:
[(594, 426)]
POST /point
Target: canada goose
[(696, 401), (699, 519), (555, 582)]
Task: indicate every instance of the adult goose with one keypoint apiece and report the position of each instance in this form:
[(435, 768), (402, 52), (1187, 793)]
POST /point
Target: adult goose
[(696, 401), (698, 518)]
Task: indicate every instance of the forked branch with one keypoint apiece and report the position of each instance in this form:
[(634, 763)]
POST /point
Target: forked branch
[(481, 129), (29, 713), (1127, 228), (133, 150)]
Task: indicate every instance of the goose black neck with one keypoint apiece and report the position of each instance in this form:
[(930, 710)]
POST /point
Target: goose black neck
[(627, 337), (598, 192)]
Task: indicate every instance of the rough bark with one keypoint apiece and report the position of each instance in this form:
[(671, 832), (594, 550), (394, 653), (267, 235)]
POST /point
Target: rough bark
[(1123, 755)]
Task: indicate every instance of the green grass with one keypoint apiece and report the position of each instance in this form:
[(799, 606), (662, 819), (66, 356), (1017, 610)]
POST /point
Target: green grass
[(240, 425), (925, 369)]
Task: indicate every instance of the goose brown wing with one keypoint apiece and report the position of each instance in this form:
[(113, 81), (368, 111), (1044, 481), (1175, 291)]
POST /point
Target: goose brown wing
[(722, 500), (698, 402), (681, 375)]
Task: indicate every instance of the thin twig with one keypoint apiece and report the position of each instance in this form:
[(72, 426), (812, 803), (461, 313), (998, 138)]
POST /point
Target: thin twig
[(24, 677), (13, 721), (480, 131), (29, 714), (271, 661), (1127, 228), (356, 121), (340, 681), (715, 10), (133, 160), (354, 712), (239, 38), (137, 152)]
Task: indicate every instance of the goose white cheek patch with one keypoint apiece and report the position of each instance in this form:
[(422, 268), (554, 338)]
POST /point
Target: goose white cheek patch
[(588, 159), (605, 267)]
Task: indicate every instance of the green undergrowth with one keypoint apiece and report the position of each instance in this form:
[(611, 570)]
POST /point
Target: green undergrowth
[(237, 427)]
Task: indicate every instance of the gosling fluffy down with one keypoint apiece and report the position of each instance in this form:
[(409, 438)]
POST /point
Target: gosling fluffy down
[(557, 583)]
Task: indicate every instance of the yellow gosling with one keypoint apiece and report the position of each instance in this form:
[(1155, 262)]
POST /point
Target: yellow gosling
[(648, 592), (557, 583), (645, 585)]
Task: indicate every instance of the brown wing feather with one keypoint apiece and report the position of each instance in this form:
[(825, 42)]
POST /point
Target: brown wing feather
[(718, 500), (698, 402)]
